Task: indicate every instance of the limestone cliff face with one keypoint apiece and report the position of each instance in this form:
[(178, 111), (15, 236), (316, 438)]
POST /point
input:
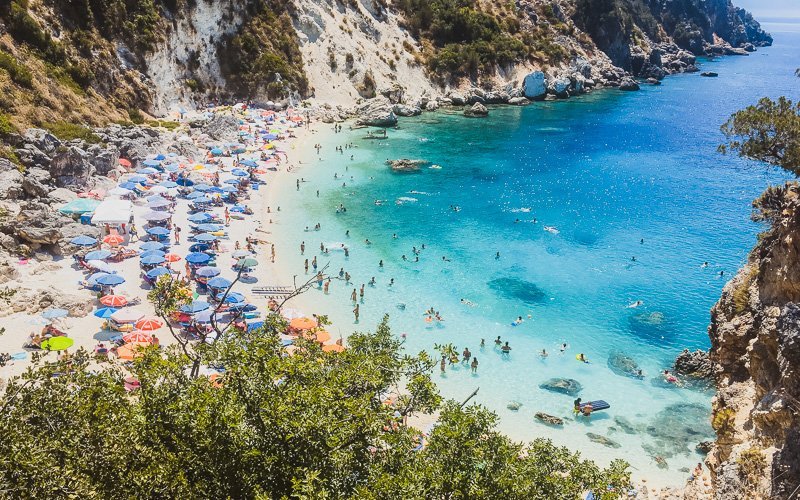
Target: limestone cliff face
[(755, 337)]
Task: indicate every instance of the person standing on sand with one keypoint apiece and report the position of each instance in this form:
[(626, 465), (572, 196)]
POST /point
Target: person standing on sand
[(272, 249), (356, 312), (227, 217), (177, 235)]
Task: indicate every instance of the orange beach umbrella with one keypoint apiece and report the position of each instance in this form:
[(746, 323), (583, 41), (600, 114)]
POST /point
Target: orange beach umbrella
[(113, 239), (302, 324), (149, 324), (332, 348), (113, 300), (138, 337), (130, 350)]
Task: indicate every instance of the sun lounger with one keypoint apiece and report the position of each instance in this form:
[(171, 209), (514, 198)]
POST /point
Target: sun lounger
[(272, 290), (597, 405)]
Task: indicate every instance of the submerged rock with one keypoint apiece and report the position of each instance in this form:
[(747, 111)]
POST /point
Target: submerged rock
[(709, 74), (628, 84), (625, 424), (623, 365), (514, 405), (562, 385), (549, 419), (695, 364), (518, 289), (597, 438), (477, 110)]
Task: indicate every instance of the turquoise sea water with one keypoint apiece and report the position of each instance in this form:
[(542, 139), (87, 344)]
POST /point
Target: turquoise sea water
[(608, 171)]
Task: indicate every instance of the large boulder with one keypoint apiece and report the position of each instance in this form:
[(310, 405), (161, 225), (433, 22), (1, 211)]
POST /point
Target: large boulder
[(37, 183), (46, 142), (694, 364), (559, 87), (103, 159), (222, 127), (10, 182), (405, 165), (477, 110), (70, 167), (623, 365), (628, 84), (518, 101), (534, 86), (457, 99), (562, 385), (405, 110), (376, 112), (38, 224)]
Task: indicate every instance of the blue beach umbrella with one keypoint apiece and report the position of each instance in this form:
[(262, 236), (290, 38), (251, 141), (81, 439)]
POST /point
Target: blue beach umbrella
[(215, 189), (152, 245), (199, 247), (217, 151), (157, 271), (183, 181), (238, 172), (202, 199), (254, 326), (159, 157), (205, 237), (139, 179), (158, 231), (92, 279), (162, 203), (194, 194), (111, 280), (172, 167), (232, 181), (242, 307), (198, 258), (156, 216), (248, 163), (270, 137), (207, 272), (149, 253), (97, 255), (219, 282), (146, 170), (209, 228), (202, 187), (130, 186), (105, 312), (152, 163), (203, 316), (234, 298), (168, 184), (237, 208), (200, 217), (152, 259), (84, 241), (229, 189), (195, 307)]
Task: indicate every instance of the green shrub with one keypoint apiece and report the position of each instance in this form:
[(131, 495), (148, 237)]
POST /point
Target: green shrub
[(63, 77), (751, 464), (11, 155), (136, 116), (24, 28), (67, 131), (5, 125), (194, 85), (19, 73), (741, 295), (723, 421)]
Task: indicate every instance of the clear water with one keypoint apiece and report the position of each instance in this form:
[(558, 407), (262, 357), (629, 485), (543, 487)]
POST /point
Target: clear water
[(607, 170)]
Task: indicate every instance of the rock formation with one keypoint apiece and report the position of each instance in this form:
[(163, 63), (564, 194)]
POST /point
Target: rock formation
[(562, 385), (755, 351)]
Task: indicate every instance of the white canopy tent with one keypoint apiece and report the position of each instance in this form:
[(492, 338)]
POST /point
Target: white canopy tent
[(112, 211)]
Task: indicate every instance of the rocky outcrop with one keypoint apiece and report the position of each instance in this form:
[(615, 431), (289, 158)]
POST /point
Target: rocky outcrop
[(755, 351), (477, 110), (562, 385), (534, 86), (623, 365), (378, 112), (221, 127), (695, 364), (405, 165)]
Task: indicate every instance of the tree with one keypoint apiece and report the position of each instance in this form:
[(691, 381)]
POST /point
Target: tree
[(307, 425)]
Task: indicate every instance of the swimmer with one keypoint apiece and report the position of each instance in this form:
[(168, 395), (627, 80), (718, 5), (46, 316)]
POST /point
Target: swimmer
[(517, 322), (506, 349), (543, 354), (372, 281), (483, 343), (564, 347), (582, 357), (704, 265), (635, 304), (497, 256), (467, 302), (670, 378), (497, 341)]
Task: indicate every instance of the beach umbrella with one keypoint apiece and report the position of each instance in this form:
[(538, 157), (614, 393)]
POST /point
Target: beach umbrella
[(248, 163), (152, 245), (153, 259), (332, 348), (156, 191), (105, 312), (162, 203), (120, 191), (157, 271), (173, 167), (234, 298), (238, 208), (204, 316), (127, 315), (215, 190), (99, 265), (149, 253), (157, 231), (199, 247), (159, 157), (246, 262), (172, 257), (202, 187), (219, 282), (200, 217), (197, 258), (243, 307), (232, 181), (138, 337), (149, 324), (217, 152), (111, 280), (154, 216), (92, 279), (152, 163), (83, 241), (114, 301), (238, 254), (302, 324), (57, 343), (138, 179), (168, 184), (130, 350), (202, 199), (254, 326), (125, 163), (229, 189), (155, 197), (130, 186), (113, 239), (146, 170), (194, 194), (97, 255), (209, 228), (195, 307), (205, 237), (238, 172), (207, 272), (183, 181), (55, 312)]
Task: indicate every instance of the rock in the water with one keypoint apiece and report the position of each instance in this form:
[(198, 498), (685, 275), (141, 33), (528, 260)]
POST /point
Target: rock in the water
[(597, 438), (623, 365), (403, 110), (457, 99), (694, 364), (376, 112), (477, 110), (518, 101), (625, 424), (534, 86), (704, 446), (562, 385), (559, 87), (514, 405), (549, 419), (405, 165), (654, 81), (628, 84), (709, 74)]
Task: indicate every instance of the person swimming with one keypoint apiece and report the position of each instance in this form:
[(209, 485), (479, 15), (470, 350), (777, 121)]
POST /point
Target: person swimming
[(635, 304), (543, 354), (704, 265), (517, 321), (506, 349), (564, 347), (582, 357)]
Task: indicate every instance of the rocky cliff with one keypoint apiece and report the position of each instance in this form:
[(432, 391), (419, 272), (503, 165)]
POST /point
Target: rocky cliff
[(755, 337), (96, 61)]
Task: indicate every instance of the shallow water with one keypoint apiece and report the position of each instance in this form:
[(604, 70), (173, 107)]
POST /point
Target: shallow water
[(616, 175)]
